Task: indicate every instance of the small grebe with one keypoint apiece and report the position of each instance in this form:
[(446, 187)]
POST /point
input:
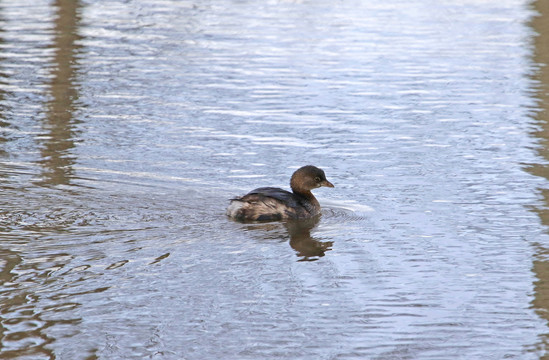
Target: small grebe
[(269, 203)]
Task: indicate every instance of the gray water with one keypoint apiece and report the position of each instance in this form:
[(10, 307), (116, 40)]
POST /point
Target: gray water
[(125, 127)]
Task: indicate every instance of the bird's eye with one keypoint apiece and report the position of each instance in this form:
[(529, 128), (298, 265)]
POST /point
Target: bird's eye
[(317, 179)]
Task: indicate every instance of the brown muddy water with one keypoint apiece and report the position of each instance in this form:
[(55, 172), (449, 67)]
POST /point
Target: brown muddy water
[(125, 127)]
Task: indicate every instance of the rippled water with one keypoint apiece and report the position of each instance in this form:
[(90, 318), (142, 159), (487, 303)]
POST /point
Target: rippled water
[(125, 127)]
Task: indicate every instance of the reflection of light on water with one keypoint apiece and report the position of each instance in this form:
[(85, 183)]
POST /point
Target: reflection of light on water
[(348, 209)]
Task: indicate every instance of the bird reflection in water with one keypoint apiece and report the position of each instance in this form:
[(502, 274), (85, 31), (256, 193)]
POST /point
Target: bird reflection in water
[(306, 246)]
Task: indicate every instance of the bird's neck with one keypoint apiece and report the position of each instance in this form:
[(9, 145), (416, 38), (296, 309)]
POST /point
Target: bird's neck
[(308, 195)]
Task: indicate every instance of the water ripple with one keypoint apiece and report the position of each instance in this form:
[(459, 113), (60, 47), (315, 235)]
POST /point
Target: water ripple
[(125, 127)]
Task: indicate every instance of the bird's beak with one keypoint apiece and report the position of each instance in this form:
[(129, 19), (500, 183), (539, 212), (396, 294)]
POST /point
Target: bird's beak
[(326, 183)]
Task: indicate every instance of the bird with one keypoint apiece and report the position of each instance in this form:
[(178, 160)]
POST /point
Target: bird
[(274, 204)]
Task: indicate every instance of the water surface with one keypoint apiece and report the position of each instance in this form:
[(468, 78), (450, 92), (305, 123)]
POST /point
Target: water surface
[(125, 127)]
